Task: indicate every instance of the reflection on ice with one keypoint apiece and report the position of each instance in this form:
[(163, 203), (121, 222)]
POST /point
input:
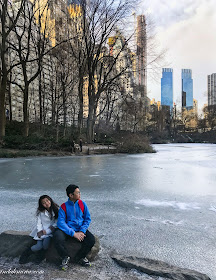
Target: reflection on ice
[(157, 220), (168, 222), (173, 204), (212, 208)]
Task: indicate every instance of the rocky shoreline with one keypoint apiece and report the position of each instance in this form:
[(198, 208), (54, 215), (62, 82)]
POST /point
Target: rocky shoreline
[(103, 268), (87, 150), (105, 265)]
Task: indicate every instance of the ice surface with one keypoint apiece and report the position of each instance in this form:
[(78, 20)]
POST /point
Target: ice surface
[(158, 205)]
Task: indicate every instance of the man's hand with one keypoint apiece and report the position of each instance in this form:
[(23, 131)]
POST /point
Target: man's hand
[(79, 236)]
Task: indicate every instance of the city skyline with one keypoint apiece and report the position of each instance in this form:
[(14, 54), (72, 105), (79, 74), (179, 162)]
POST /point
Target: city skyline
[(186, 29), (186, 85)]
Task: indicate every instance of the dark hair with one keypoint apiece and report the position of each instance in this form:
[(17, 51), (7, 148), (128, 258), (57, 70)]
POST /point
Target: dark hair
[(71, 189), (54, 207)]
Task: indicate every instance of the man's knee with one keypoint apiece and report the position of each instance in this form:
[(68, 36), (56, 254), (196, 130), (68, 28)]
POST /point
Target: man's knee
[(92, 243), (90, 239), (58, 236)]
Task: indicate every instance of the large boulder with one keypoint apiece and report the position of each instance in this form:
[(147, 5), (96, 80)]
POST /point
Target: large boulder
[(158, 268), (73, 247), (13, 243)]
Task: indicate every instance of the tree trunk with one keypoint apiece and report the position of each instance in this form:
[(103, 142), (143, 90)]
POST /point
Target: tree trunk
[(9, 97), (57, 133), (26, 112), (90, 124), (57, 125), (80, 115), (40, 98), (53, 101), (3, 84), (80, 118), (64, 108), (2, 105)]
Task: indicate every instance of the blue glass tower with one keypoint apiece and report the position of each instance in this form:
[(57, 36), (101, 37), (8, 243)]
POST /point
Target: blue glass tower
[(167, 87), (187, 89), (75, 2)]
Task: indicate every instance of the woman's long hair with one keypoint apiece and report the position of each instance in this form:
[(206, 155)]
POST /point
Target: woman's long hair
[(53, 208)]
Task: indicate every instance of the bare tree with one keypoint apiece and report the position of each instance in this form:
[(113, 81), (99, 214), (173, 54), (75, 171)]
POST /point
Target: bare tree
[(8, 20), (100, 19), (30, 46), (76, 46), (210, 113)]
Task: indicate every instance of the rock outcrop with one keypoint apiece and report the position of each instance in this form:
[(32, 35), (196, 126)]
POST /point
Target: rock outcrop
[(158, 268), (13, 243)]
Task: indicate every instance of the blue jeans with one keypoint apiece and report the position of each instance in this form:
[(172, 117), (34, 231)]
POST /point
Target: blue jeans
[(41, 244)]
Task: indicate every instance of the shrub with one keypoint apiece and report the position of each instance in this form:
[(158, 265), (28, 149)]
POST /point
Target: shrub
[(133, 143)]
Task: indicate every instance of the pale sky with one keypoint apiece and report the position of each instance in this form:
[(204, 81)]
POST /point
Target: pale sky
[(187, 29)]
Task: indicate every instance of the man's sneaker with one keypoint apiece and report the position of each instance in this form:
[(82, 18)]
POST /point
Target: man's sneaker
[(84, 262), (65, 262)]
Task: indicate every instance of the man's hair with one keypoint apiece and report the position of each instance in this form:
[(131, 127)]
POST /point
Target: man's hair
[(71, 189)]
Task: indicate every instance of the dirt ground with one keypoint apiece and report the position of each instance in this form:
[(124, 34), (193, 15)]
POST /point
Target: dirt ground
[(104, 268)]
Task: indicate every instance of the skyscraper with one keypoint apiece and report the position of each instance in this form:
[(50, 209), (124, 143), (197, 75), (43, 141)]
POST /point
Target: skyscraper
[(142, 54), (167, 87), (187, 89), (75, 2), (212, 89)]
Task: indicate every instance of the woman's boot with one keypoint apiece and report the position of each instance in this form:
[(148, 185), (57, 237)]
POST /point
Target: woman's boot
[(40, 256), (25, 255)]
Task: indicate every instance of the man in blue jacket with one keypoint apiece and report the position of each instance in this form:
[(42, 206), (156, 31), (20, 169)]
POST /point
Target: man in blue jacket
[(73, 222)]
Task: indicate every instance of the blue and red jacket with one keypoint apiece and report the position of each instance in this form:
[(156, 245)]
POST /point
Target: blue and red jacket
[(75, 219)]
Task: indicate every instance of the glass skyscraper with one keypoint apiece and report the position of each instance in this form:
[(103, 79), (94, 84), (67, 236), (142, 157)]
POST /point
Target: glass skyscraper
[(167, 87), (187, 89), (212, 89), (75, 2)]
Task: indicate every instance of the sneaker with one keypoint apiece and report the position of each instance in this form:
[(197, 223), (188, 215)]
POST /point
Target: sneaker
[(84, 262), (65, 262)]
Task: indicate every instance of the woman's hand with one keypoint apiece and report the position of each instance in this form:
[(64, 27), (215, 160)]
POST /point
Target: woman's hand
[(40, 233), (52, 228)]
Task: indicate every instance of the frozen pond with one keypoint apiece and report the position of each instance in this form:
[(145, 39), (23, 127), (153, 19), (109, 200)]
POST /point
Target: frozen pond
[(161, 206)]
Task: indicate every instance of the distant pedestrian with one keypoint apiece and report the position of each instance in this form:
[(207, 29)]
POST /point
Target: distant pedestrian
[(7, 114), (47, 214), (80, 143)]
